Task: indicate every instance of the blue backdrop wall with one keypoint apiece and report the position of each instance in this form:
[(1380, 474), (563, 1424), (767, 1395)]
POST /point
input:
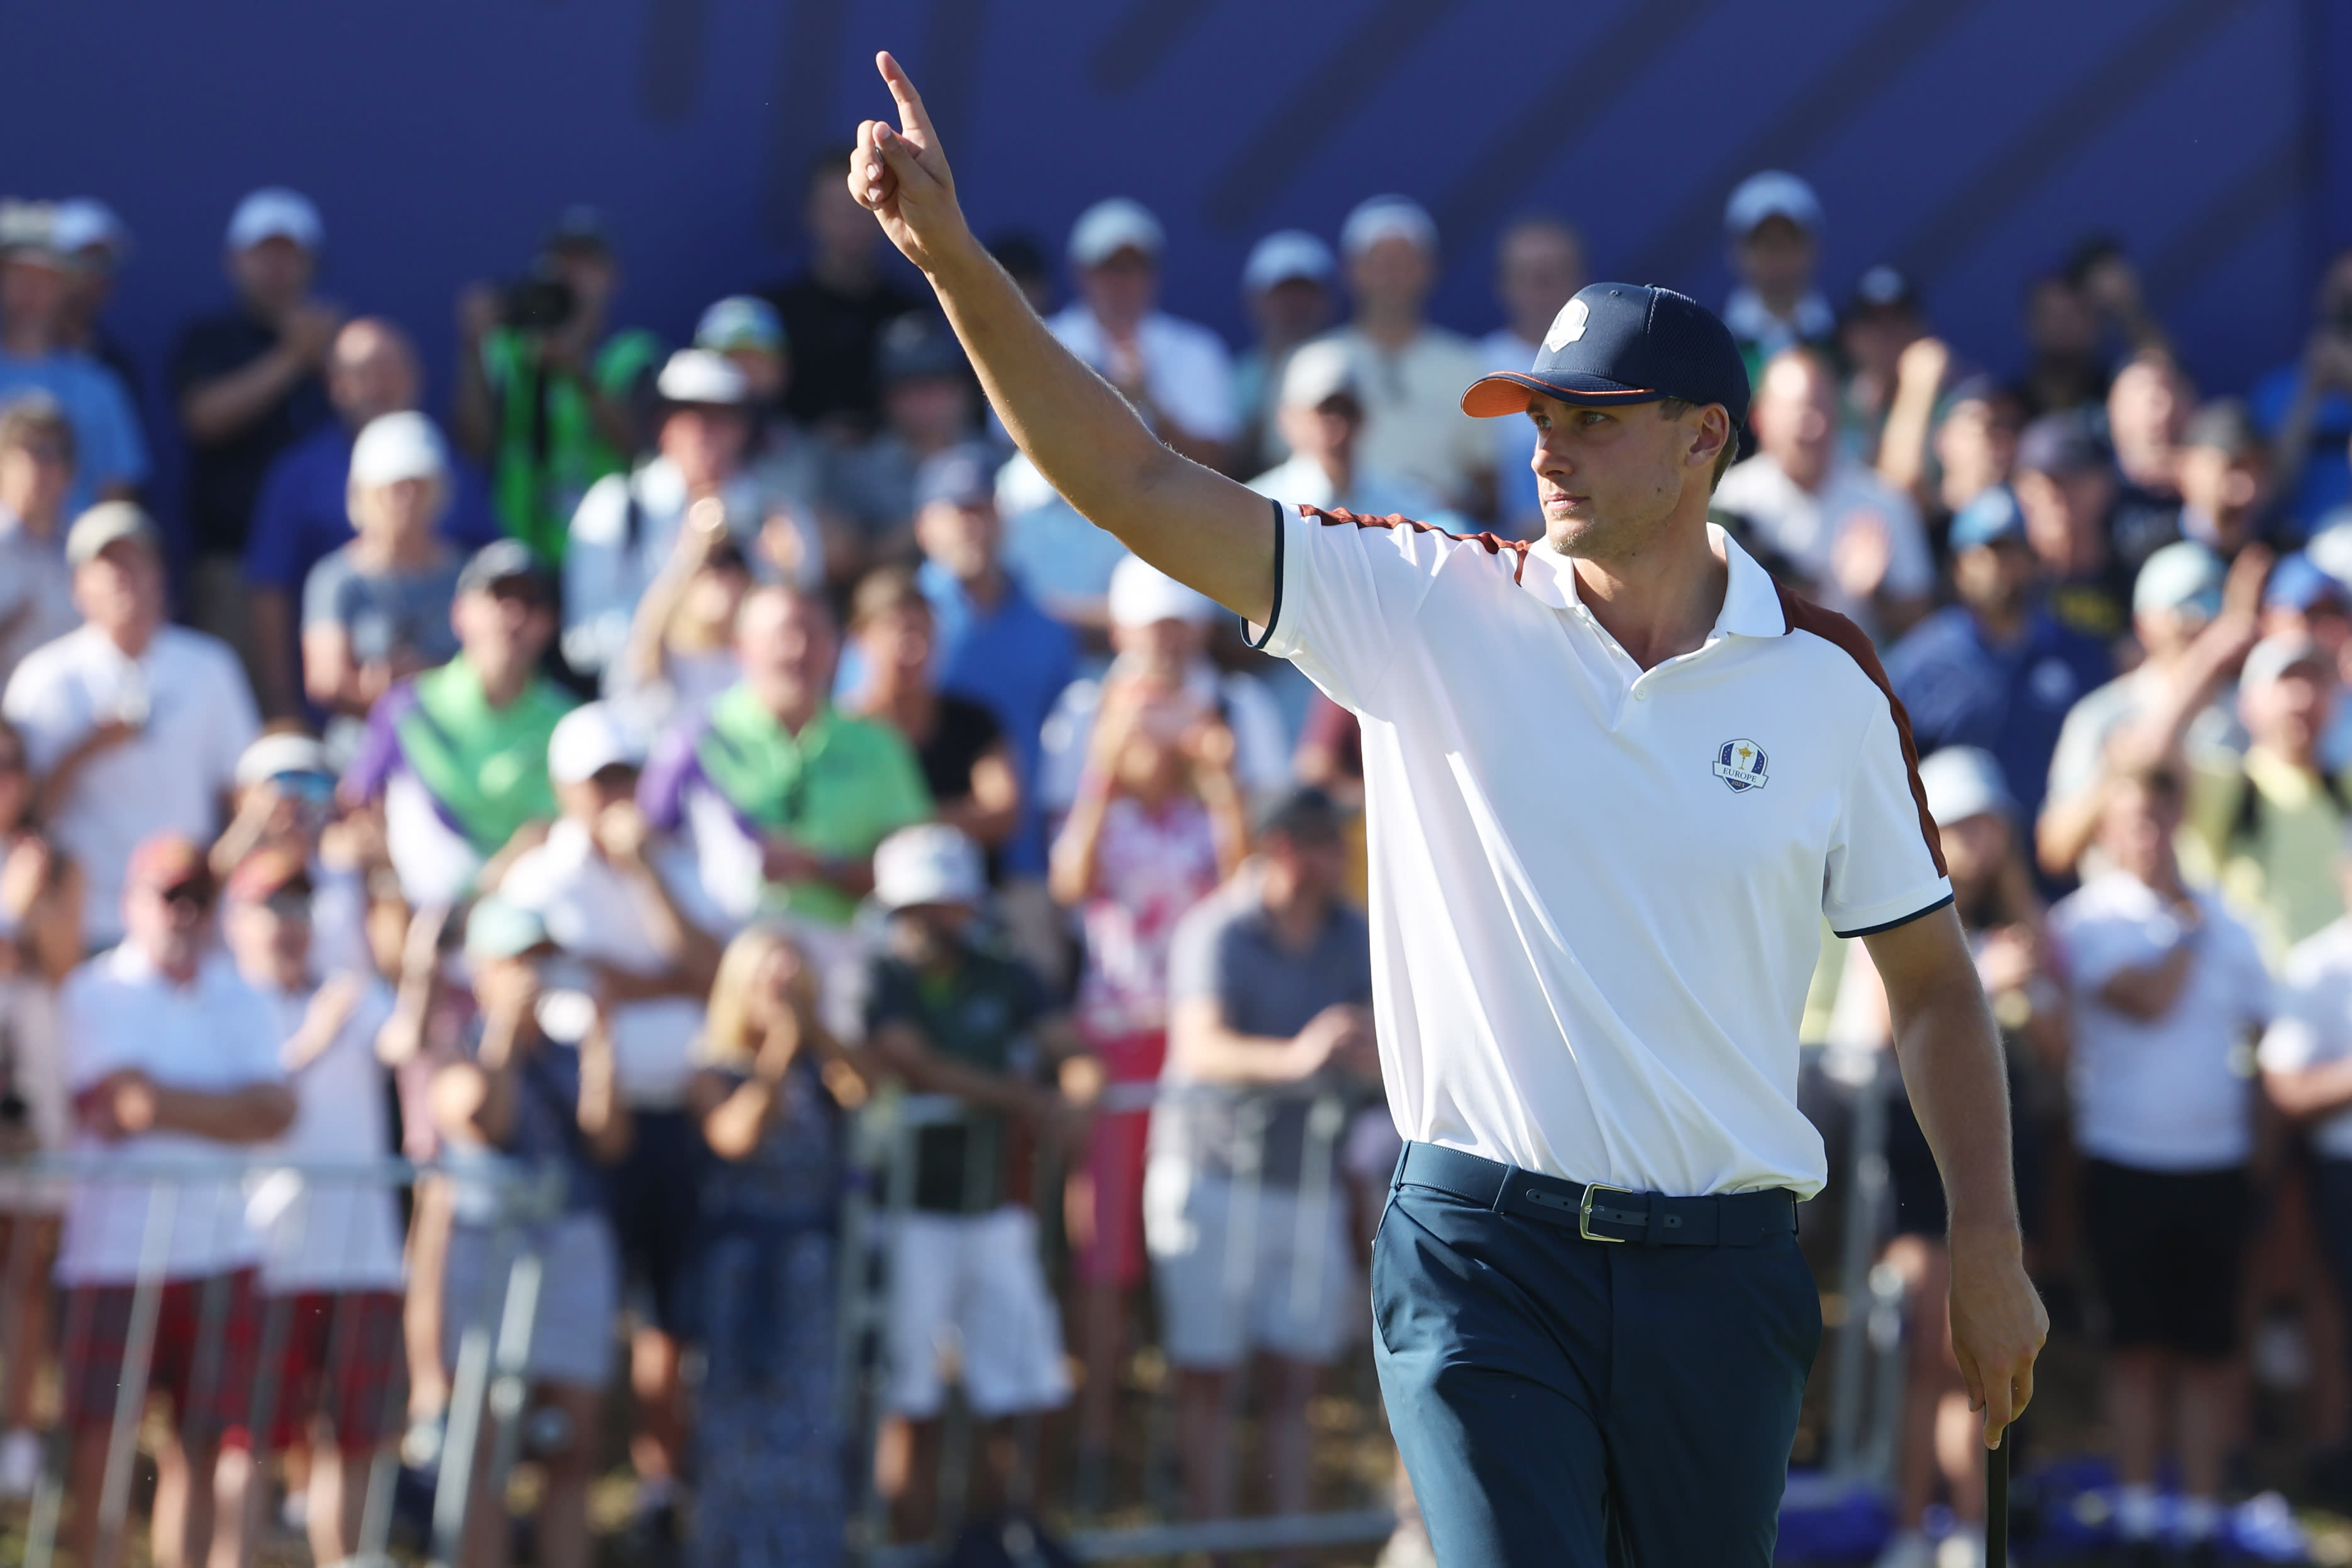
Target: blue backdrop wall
[(1970, 142)]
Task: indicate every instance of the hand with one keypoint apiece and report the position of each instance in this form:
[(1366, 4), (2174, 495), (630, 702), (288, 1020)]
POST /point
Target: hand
[(1998, 1323), (901, 176), (2009, 960), (622, 832), (120, 1105), (106, 736), (791, 987), (1923, 364), (479, 309), (1209, 747), (508, 991), (1325, 1036), (780, 1045), (308, 330), (331, 1008), (22, 875), (1863, 550), (783, 860)]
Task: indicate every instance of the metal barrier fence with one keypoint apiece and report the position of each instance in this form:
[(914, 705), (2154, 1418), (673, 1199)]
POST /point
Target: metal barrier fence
[(489, 1384), (488, 1387)]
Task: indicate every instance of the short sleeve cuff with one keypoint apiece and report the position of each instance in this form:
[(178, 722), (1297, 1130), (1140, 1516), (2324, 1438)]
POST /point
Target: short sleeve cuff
[(2288, 1045), (1869, 920), (1263, 638)]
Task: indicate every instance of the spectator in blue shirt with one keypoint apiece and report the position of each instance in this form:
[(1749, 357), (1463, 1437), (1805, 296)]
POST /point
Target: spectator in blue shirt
[(1996, 670), (2306, 408), (303, 515), (36, 289)]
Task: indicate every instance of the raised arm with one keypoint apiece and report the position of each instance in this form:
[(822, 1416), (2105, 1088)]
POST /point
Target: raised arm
[(1196, 525)]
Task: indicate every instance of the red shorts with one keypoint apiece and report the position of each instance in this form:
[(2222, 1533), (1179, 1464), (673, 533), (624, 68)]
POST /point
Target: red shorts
[(207, 1348), (1110, 1235), (342, 1360)]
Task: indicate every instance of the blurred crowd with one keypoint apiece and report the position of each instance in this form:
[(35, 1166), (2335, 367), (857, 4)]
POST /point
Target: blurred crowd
[(676, 759)]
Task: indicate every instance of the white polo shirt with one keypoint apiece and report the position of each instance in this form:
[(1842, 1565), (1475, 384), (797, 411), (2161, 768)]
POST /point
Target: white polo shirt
[(1597, 890), (2313, 1027)]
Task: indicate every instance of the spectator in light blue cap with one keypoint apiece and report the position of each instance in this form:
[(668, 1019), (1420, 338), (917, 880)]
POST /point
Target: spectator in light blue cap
[(2192, 634), (1288, 285), (782, 459), (1997, 670)]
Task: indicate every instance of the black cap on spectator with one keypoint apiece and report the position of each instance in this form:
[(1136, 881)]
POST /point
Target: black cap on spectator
[(580, 227), (917, 346), (1882, 288), (2225, 424), (2062, 443), (1304, 815), (503, 560)]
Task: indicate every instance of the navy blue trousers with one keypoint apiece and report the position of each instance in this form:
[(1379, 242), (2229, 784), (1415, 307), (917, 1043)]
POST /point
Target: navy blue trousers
[(1580, 1405)]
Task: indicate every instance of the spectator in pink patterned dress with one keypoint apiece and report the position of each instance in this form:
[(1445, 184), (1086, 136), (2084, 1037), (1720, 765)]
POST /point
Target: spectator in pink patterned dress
[(1157, 824)]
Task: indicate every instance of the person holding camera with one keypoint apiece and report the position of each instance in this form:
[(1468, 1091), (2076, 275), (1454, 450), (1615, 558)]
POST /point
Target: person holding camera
[(632, 528), (132, 725), (549, 401), (537, 1096)]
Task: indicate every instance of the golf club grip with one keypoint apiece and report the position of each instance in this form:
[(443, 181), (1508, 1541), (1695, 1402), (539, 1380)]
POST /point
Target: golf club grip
[(1997, 1506)]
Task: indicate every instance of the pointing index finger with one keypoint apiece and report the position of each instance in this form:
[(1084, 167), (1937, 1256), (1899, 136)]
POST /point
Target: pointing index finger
[(912, 119)]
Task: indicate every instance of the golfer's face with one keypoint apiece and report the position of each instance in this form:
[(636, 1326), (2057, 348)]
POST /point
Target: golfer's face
[(1604, 475)]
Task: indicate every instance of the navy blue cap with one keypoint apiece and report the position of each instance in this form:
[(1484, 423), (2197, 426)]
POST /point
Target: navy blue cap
[(1992, 517), (503, 560), (960, 476), (1623, 342)]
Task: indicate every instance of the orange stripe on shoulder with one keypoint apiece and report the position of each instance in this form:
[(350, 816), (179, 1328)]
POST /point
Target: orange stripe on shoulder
[(1803, 614), (1492, 544)]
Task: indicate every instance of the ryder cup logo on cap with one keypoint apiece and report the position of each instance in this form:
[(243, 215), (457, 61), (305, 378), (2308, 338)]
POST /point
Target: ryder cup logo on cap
[(1621, 343), (1740, 766)]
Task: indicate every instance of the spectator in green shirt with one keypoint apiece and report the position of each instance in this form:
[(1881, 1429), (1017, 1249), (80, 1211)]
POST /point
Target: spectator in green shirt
[(547, 401), (783, 795)]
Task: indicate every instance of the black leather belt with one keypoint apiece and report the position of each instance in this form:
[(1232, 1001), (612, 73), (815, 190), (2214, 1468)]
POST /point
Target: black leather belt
[(1598, 1213)]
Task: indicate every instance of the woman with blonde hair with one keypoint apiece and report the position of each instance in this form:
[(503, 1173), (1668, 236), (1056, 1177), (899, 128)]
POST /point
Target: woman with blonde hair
[(769, 1089)]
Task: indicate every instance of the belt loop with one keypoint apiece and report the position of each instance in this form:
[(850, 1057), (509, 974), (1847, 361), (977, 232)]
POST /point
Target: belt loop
[(1653, 1233), (1396, 1177)]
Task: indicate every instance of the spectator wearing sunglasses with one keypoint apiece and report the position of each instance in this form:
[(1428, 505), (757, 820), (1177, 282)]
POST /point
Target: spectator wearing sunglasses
[(456, 758), (286, 805), (170, 1057)]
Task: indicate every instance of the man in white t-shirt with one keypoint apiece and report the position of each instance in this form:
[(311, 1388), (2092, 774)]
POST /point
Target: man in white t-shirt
[(36, 469), (1320, 414), (1160, 633), (1857, 543), (1178, 374), (1411, 373), (2167, 989), (171, 1059), (1613, 781), (1538, 267), (630, 904), (331, 1273), (133, 725)]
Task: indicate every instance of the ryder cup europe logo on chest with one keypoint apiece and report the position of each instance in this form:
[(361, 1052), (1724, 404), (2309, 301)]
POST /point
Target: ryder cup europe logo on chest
[(1740, 766)]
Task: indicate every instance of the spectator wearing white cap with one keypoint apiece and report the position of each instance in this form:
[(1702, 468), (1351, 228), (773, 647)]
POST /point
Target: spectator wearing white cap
[(1288, 284), (37, 282), (1177, 373), (1159, 637), (785, 460), (1773, 222), (304, 512), (377, 610), (133, 725), (285, 796), (1538, 267), (92, 236), (1409, 373), (1320, 416), (2194, 619), (248, 383), (2265, 824), (36, 466), (629, 903), (666, 516), (2165, 987), (951, 1017)]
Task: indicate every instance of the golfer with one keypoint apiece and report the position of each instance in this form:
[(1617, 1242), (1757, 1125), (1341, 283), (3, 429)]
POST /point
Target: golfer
[(1616, 779)]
